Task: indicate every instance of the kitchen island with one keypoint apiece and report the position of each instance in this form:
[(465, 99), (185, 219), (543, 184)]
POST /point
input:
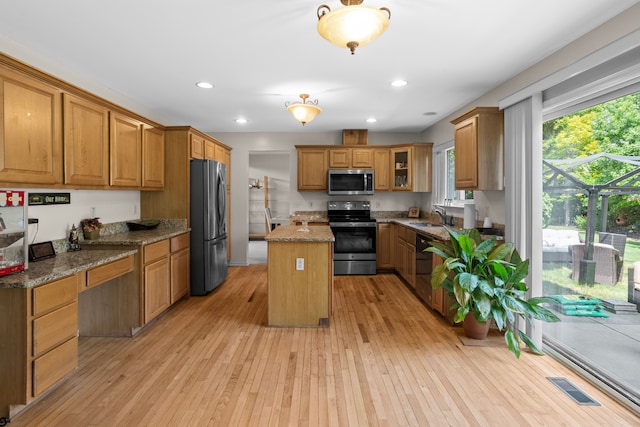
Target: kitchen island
[(300, 276)]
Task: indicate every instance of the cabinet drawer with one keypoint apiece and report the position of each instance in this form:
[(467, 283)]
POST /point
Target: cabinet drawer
[(106, 272), (156, 250), (54, 365), (55, 328), (55, 294), (179, 242)]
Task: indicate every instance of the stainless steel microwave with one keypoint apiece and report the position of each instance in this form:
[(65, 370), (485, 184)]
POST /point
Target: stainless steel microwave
[(350, 182)]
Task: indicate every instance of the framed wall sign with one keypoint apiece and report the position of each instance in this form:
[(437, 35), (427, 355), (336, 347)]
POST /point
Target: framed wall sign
[(413, 213)]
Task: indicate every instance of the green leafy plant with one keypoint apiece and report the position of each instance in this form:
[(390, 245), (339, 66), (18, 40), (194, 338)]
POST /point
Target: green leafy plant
[(486, 278)]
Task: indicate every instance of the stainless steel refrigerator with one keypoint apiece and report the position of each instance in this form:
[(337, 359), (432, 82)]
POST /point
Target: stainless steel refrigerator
[(208, 224)]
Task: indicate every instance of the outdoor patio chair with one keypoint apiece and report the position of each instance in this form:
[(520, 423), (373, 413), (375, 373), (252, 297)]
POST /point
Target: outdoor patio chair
[(618, 241), (606, 258)]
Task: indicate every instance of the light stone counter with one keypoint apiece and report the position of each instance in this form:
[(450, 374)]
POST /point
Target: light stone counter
[(290, 233)]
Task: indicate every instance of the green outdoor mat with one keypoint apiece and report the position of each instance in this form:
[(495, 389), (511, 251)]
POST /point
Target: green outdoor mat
[(579, 305)]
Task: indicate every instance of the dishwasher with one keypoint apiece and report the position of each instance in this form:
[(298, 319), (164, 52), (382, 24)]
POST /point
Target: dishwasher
[(424, 266)]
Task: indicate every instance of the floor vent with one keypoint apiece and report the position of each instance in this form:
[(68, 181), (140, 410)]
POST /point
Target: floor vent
[(573, 392)]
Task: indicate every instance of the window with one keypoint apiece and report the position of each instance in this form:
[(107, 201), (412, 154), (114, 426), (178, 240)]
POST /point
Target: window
[(444, 170)]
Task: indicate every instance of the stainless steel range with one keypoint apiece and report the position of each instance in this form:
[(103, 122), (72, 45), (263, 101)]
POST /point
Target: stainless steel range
[(355, 237)]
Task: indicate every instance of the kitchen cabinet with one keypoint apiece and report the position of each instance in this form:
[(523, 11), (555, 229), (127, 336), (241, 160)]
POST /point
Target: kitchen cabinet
[(30, 130), (382, 178), (152, 158), (86, 142), (179, 265), (350, 158), (39, 330), (312, 169), (384, 260), (405, 256), (197, 146), (479, 149), (156, 279), (125, 151), (411, 168)]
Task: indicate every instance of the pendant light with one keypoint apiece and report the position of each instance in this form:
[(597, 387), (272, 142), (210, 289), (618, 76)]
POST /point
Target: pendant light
[(352, 26), (304, 111)]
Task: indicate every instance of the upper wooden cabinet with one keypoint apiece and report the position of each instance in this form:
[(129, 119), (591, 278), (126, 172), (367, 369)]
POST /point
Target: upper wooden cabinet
[(30, 130), (152, 157), (86, 142), (126, 151), (479, 148), (381, 175), (312, 169), (410, 167), (350, 158)]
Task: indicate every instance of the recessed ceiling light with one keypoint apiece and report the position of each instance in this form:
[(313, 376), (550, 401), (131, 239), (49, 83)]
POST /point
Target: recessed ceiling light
[(241, 121), (371, 120), (204, 85), (398, 83), (430, 113)]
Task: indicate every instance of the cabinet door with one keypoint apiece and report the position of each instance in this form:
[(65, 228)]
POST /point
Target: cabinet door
[(381, 169), (126, 151), (340, 158), (86, 142), (401, 163), (209, 150), (157, 285), (362, 158), (466, 146), (30, 130), (383, 246), (312, 169), (410, 269), (196, 144), (179, 274), (152, 157)]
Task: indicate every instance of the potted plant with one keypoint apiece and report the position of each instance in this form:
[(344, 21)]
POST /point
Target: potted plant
[(91, 228), (486, 280)]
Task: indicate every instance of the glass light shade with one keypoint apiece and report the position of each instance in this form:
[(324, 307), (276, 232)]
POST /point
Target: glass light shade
[(349, 24), (304, 113)]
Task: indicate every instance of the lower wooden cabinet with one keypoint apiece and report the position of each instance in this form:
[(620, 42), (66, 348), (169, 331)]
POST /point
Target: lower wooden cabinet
[(384, 260), (39, 346), (166, 274), (180, 266)]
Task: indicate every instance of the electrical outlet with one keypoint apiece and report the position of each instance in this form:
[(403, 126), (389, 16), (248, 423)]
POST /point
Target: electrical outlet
[(92, 212), (135, 209), (310, 204), (299, 263)]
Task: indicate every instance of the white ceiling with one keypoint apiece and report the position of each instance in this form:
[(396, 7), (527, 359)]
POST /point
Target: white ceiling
[(260, 54)]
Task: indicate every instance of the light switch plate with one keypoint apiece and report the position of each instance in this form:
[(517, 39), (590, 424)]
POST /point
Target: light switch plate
[(299, 263)]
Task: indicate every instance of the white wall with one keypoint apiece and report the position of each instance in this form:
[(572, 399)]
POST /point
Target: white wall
[(55, 221), (244, 144)]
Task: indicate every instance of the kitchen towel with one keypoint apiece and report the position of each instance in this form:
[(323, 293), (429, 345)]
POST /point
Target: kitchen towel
[(469, 216)]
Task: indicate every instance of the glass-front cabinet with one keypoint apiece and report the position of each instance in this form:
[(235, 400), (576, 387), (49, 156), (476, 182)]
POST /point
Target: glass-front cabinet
[(13, 232), (401, 162)]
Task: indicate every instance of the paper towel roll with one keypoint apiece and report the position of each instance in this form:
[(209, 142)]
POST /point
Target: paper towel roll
[(469, 216)]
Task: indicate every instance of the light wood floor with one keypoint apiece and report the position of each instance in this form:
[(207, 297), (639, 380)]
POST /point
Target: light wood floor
[(385, 360)]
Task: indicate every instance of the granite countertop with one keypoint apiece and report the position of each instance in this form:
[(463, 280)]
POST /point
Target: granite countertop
[(421, 226), (299, 217), (290, 233), (143, 237), (62, 265)]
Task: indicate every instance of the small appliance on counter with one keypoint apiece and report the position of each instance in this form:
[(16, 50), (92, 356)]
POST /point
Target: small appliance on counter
[(13, 232)]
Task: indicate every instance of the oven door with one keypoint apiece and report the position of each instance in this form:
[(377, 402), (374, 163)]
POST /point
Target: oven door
[(354, 247)]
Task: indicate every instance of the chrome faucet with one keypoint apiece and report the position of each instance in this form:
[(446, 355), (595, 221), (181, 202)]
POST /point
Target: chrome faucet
[(442, 213)]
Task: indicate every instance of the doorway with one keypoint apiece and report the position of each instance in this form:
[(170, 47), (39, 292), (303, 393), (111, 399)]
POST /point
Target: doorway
[(269, 186)]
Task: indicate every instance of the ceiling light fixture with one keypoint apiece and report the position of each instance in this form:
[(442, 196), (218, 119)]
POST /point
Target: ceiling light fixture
[(204, 85), (398, 83), (352, 26), (371, 120), (304, 111), (241, 121)]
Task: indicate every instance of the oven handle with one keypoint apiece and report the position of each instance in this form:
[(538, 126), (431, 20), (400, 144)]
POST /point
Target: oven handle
[(352, 224)]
